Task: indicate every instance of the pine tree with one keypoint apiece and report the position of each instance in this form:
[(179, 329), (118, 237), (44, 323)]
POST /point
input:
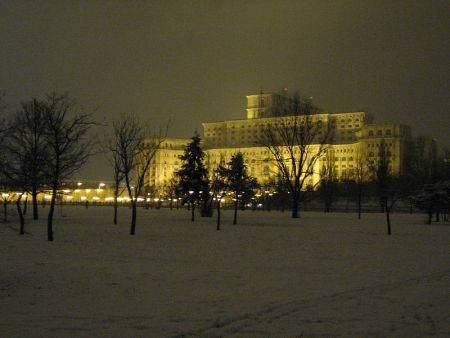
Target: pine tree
[(193, 176), (239, 182), (218, 188)]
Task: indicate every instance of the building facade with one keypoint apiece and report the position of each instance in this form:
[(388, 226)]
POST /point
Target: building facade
[(354, 136)]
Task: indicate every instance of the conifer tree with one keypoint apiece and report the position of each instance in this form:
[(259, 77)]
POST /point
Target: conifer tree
[(239, 182), (193, 176), (218, 188)]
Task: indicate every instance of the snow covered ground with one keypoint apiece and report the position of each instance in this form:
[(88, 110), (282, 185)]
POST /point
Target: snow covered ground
[(321, 275)]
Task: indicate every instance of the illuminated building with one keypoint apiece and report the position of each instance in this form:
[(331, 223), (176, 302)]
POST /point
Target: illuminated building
[(354, 135)]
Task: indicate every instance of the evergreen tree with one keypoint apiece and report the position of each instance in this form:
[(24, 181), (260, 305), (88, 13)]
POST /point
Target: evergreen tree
[(218, 188), (193, 176), (239, 182)]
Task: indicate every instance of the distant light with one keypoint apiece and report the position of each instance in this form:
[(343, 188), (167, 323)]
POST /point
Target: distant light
[(79, 184), (101, 185)]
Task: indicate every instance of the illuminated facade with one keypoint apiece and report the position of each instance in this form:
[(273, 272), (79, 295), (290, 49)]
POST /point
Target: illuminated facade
[(353, 135)]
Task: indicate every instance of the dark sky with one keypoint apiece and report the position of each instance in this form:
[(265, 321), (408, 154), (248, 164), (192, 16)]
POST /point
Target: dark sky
[(195, 61)]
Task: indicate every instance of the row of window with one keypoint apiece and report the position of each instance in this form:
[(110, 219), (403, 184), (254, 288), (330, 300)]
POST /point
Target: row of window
[(379, 132)]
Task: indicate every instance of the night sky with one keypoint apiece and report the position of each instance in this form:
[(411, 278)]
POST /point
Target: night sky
[(195, 61)]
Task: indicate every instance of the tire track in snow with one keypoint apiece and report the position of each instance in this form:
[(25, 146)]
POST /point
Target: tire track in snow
[(272, 312)]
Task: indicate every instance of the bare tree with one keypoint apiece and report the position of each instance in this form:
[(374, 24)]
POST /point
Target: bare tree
[(328, 181), (28, 143), (66, 133), (171, 191), (5, 195), (360, 175), (13, 168), (296, 139), (118, 176), (6, 198), (390, 188), (136, 147)]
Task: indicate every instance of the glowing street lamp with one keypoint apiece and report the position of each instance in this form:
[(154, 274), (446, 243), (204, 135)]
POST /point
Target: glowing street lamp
[(79, 184)]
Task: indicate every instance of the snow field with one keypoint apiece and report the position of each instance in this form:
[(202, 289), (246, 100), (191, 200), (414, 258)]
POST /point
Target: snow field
[(270, 275)]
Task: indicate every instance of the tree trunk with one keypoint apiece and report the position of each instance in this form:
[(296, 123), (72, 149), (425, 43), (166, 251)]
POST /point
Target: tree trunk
[(35, 204), (218, 215), (359, 202), (235, 211), (388, 221), (50, 216), (295, 200), (133, 217), (116, 195), (5, 210), (438, 218), (430, 216), (115, 210), (192, 211), (25, 206), (21, 218)]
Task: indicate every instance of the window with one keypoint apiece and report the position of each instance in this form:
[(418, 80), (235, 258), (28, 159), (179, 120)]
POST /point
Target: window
[(388, 132), (379, 133), (370, 132)]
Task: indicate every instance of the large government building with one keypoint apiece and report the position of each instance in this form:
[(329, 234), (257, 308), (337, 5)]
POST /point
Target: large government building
[(354, 134)]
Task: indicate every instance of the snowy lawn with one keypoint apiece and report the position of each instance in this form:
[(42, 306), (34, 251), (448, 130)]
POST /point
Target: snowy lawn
[(321, 275)]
